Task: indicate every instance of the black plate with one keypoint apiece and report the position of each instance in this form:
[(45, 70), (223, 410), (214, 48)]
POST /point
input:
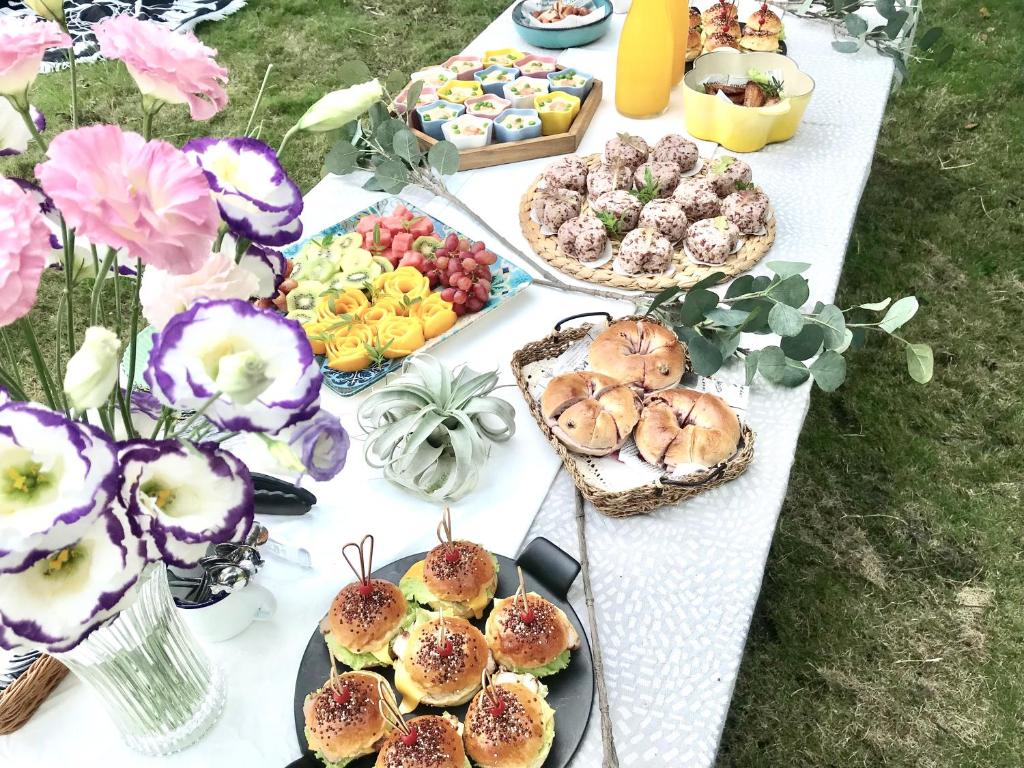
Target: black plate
[(549, 572)]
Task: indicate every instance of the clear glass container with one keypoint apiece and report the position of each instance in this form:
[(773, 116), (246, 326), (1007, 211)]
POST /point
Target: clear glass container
[(157, 684)]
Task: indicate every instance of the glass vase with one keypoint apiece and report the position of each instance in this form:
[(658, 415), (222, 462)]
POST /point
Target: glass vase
[(157, 684)]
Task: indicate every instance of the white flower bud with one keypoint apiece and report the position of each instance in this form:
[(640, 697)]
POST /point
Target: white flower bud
[(339, 108), (92, 371)]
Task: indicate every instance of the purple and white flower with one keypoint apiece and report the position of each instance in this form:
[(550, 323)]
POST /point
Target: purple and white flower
[(256, 197), (267, 266), (144, 409), (14, 134), (247, 369), (50, 214), (186, 496), (321, 445), (56, 476), (54, 602)]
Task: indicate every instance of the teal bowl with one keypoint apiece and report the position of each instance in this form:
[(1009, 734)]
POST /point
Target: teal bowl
[(563, 38)]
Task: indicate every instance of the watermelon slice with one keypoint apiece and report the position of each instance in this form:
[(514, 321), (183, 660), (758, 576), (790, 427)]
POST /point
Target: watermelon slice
[(402, 242), (366, 224), (420, 226)]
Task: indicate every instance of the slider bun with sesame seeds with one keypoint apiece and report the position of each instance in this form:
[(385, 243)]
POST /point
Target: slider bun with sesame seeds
[(343, 721), (438, 744), (440, 676), (518, 732), (359, 627), (457, 577), (539, 647)]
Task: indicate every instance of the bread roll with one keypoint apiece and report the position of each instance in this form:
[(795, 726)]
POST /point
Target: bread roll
[(590, 413), (361, 622), (682, 426), (640, 353)]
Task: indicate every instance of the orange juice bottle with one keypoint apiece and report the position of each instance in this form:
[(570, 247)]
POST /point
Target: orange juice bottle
[(680, 12), (644, 74)]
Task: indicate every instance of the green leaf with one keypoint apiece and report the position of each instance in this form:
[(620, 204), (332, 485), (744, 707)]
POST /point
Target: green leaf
[(393, 176), (895, 25), (829, 370), (788, 268), (791, 290), (413, 96), (855, 25), (846, 46), (757, 321), (944, 55), (727, 342), (378, 114), (730, 318), (899, 314), (741, 286), (750, 365), (885, 8), (352, 72), (667, 295), (705, 357), (778, 369), (920, 362), (444, 158), (407, 146), (805, 344), (374, 184), (713, 279), (385, 132), (930, 38), (341, 159), (695, 306), (860, 337), (877, 306), (785, 321), (396, 81), (833, 324)]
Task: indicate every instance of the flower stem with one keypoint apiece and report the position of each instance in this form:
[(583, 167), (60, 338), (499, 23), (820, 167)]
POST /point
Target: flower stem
[(133, 348), (74, 86), (147, 124), (69, 281), (26, 115), (259, 100), (45, 381), (183, 430), (287, 137), (97, 286)]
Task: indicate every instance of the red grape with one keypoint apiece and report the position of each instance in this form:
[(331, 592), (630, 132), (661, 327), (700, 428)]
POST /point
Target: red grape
[(474, 305), (465, 283), (442, 251), (442, 262), (463, 244), (451, 242), (448, 294), (486, 257), (480, 290), (468, 265), (460, 309), (459, 297), (477, 246)]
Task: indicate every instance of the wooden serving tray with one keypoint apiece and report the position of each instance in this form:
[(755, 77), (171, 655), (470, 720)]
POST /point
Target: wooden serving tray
[(529, 149)]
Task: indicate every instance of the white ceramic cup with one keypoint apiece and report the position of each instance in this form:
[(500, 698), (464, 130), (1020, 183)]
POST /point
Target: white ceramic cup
[(224, 617)]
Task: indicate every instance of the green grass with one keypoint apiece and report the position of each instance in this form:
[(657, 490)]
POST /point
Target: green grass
[(890, 626)]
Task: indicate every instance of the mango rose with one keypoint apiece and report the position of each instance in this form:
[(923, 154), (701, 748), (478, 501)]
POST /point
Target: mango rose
[(324, 308), (396, 306), (349, 350), (379, 311), (405, 284), (436, 315), (350, 302), (318, 333), (399, 336)]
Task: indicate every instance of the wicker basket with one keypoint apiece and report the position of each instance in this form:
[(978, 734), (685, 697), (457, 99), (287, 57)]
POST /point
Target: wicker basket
[(644, 497), (22, 697)]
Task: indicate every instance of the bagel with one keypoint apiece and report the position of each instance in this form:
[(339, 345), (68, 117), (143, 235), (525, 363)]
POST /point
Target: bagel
[(589, 412), (640, 353), (682, 426)]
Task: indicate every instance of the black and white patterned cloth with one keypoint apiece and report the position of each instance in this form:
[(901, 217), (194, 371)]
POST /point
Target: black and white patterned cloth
[(82, 14)]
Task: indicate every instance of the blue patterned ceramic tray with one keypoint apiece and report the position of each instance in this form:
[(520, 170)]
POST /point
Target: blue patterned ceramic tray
[(507, 281)]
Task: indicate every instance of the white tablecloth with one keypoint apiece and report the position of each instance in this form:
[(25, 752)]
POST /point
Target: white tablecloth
[(674, 589)]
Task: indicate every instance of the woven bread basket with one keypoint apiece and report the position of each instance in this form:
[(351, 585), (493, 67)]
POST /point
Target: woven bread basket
[(687, 273), (22, 698), (644, 497)]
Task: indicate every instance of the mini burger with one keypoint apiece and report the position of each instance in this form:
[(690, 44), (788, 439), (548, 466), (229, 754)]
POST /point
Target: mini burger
[(431, 741), (458, 578), (509, 724), (529, 635), (439, 662), (365, 616), (343, 719)]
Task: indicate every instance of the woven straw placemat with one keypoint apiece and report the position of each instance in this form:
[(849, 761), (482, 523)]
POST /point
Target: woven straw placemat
[(686, 274), (22, 698)]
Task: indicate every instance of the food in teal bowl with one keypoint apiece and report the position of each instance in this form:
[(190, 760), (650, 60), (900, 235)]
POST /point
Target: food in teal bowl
[(570, 37)]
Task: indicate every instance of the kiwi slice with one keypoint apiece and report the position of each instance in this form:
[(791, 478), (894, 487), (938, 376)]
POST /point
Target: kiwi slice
[(426, 245), (384, 264), (316, 268), (303, 316), (348, 242), (356, 260), (304, 295)]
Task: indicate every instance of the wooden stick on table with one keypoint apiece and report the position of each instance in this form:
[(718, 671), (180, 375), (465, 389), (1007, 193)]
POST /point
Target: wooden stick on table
[(611, 757)]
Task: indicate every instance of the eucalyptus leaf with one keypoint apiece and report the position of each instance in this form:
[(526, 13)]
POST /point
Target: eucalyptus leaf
[(778, 369), (885, 8), (930, 38), (713, 279), (741, 286), (757, 320), (353, 72), (876, 306), (695, 305), (342, 158), (444, 158), (920, 362), (730, 318), (407, 146), (374, 184), (785, 320), (792, 290), (805, 344), (788, 268), (855, 25), (378, 114), (385, 133), (393, 176), (846, 46), (896, 23), (944, 55), (705, 357), (663, 296), (833, 324), (899, 314), (396, 81), (829, 370), (847, 341), (750, 365), (412, 98), (727, 343)]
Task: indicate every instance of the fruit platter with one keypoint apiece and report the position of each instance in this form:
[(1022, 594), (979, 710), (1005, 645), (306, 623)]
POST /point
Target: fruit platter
[(504, 106), (386, 283)]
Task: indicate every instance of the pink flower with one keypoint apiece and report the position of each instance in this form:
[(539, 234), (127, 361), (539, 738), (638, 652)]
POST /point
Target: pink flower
[(23, 41), (24, 250), (164, 295), (117, 189), (173, 67)]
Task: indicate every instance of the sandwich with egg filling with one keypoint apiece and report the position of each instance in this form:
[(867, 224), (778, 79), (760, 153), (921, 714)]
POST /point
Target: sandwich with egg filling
[(343, 719), (530, 636), (431, 741), (509, 724), (438, 662), (363, 619), (458, 578)]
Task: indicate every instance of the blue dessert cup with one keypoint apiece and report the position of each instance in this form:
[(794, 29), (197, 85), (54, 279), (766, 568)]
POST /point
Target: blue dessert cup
[(495, 88), (557, 84), (503, 134), (433, 127)]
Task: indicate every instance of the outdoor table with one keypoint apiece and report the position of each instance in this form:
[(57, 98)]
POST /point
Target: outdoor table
[(674, 589)]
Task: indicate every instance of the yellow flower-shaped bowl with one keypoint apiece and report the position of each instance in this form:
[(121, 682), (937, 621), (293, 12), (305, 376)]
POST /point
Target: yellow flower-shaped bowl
[(457, 91), (744, 129), (552, 123)]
